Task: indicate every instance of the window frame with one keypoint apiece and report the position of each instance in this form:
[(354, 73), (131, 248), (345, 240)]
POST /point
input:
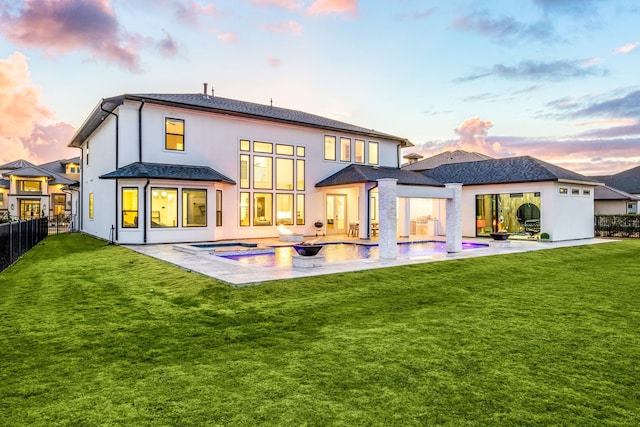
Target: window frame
[(167, 189), (376, 151), (330, 148), (218, 208), (187, 190), (167, 134), (345, 149), (136, 223)]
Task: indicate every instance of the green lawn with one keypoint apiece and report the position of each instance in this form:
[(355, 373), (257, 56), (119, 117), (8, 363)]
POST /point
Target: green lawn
[(92, 334)]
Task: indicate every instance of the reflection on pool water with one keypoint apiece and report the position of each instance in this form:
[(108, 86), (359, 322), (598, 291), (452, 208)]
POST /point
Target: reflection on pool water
[(334, 252)]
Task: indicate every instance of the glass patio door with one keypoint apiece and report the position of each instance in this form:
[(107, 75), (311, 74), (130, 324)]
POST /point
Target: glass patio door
[(29, 209), (336, 214)]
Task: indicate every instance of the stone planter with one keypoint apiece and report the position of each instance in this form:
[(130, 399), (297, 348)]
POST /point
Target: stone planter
[(307, 250)]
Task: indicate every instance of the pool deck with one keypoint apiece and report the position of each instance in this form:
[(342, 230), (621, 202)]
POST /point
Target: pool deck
[(237, 274)]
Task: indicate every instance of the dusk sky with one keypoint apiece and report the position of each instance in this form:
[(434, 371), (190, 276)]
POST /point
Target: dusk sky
[(554, 79)]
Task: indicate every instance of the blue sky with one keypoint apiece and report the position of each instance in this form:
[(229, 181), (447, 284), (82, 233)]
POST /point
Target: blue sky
[(557, 80)]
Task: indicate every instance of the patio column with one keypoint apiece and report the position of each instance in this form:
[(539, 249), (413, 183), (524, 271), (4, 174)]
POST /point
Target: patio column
[(387, 207), (454, 219), (363, 209), (404, 209)]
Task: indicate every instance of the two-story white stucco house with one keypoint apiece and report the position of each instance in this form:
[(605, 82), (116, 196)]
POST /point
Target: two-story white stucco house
[(161, 168), (32, 191)]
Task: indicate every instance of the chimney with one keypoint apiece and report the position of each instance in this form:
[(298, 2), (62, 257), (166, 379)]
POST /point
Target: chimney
[(205, 88)]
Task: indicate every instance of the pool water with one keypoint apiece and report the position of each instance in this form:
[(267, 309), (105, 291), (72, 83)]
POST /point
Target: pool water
[(335, 252)]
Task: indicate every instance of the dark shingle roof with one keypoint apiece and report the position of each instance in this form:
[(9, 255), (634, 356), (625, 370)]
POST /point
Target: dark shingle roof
[(446, 157), (165, 171), (353, 174), (16, 164), (628, 181), (59, 166), (500, 171), (604, 192), (30, 172), (4, 183), (227, 106)]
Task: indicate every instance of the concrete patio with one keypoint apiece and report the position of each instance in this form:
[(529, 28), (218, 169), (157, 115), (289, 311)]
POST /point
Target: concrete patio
[(234, 273)]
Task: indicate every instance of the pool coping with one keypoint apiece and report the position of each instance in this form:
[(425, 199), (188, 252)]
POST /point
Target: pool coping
[(236, 274)]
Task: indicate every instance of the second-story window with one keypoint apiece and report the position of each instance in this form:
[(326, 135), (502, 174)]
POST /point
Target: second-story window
[(174, 134), (26, 187)]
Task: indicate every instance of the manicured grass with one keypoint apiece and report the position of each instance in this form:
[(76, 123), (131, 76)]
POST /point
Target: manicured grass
[(92, 334)]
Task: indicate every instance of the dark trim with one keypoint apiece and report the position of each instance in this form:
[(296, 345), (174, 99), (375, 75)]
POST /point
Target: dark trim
[(140, 131), (144, 211)]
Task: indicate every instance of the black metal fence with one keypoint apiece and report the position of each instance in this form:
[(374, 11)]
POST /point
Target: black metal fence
[(617, 225), (18, 237)]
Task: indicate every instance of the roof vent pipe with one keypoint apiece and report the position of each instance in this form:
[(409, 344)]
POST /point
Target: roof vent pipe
[(205, 88)]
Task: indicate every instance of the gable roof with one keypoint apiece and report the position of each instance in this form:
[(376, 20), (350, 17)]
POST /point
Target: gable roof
[(16, 164), (445, 157), (216, 104), (604, 192), (168, 171), (502, 171), (354, 174), (627, 181), (59, 166)]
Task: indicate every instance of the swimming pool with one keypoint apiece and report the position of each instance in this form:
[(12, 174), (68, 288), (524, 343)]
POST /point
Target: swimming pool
[(334, 252)]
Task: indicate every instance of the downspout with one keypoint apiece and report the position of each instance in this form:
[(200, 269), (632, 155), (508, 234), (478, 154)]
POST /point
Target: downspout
[(117, 150), (140, 131), (144, 212)]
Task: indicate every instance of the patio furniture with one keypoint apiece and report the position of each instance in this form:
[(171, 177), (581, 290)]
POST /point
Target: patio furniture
[(354, 229), (374, 228), (528, 215)]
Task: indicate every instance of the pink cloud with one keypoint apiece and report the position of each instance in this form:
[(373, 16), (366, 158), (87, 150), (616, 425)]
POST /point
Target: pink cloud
[(274, 62), (285, 27), (284, 4), (61, 26), (473, 137), (628, 48), (24, 120), (190, 13), (227, 37), (327, 7), (168, 47)]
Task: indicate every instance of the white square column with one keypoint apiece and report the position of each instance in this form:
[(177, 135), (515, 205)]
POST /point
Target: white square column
[(387, 208), (454, 219), (404, 216)]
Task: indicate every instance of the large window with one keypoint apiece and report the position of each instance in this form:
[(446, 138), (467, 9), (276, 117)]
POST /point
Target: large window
[(373, 153), (329, 147), (164, 207), (284, 174), (345, 149), (300, 209), (218, 208), (300, 175), (262, 209), (271, 175), (245, 209), (29, 187), (284, 209), (263, 172), (515, 213), (59, 204), (130, 207), (174, 131), (359, 157), (244, 171), (194, 207)]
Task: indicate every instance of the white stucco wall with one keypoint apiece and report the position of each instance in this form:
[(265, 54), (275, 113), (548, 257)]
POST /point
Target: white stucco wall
[(210, 140), (564, 217)]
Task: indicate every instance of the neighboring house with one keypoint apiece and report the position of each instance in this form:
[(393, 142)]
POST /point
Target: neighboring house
[(522, 195), (160, 168), (446, 157), (627, 181), (610, 201), (29, 191)]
